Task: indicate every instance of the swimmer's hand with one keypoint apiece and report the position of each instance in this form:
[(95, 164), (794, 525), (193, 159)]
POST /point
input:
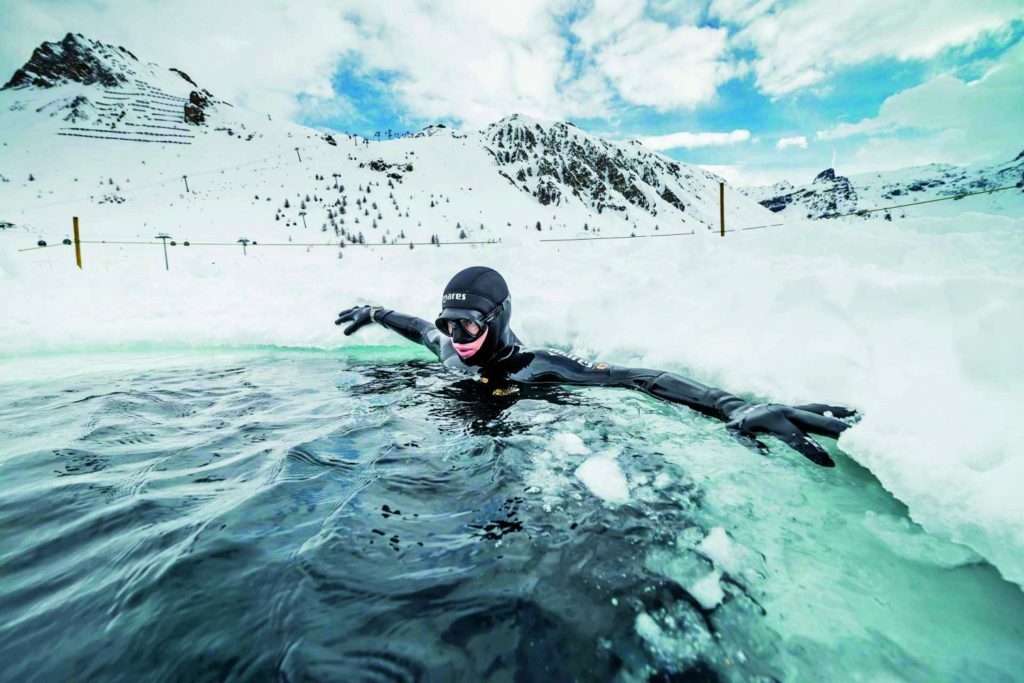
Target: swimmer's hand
[(359, 316), (791, 425)]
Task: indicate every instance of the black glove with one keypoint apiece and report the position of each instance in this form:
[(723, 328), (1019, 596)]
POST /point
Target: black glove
[(359, 316), (791, 424)]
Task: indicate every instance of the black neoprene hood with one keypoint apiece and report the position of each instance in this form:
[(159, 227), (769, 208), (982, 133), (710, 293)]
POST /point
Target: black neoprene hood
[(473, 294), (478, 289)]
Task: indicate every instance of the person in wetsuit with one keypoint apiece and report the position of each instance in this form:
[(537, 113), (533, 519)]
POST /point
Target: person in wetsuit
[(472, 335)]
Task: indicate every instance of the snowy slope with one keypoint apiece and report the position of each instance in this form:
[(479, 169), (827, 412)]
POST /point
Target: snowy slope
[(113, 150), (917, 322), (830, 193)]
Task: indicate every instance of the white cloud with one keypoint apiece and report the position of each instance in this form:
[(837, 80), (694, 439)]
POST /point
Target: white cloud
[(652, 63), (691, 140), (801, 44), (459, 59), (474, 61), (947, 119), (739, 11), (797, 141), (667, 68)]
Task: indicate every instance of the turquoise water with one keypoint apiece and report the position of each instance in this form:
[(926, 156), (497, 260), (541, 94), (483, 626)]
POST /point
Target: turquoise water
[(301, 515)]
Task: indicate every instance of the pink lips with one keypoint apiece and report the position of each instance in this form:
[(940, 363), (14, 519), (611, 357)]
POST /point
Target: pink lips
[(467, 350)]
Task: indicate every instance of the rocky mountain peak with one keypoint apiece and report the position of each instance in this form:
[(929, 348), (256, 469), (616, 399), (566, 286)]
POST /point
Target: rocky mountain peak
[(550, 160), (75, 58), (826, 176), (827, 195), (78, 59)]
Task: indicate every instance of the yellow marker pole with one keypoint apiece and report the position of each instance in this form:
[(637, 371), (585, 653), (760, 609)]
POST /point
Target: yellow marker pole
[(721, 203), (78, 243)]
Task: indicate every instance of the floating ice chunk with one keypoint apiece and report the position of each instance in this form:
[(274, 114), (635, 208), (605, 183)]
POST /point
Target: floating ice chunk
[(910, 542), (648, 629), (569, 443), (601, 474), (671, 641), (707, 590), (720, 549)]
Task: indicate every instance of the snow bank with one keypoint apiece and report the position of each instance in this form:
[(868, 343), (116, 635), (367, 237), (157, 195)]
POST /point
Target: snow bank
[(919, 323)]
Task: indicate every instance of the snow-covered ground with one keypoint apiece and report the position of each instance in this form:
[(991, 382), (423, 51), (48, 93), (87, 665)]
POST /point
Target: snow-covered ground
[(918, 322)]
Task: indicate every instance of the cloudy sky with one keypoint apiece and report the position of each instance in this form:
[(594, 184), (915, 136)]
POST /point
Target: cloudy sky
[(761, 90)]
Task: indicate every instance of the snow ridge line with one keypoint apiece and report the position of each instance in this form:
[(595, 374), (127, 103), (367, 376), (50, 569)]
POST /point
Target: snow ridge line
[(862, 212)]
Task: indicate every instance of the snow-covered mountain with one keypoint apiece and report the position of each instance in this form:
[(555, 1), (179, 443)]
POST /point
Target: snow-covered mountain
[(88, 128), (548, 161), (829, 194)]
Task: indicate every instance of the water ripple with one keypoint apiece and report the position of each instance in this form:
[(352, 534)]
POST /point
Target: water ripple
[(316, 517)]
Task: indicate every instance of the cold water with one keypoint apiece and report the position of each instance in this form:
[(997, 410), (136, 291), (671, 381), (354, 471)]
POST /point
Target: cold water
[(273, 514)]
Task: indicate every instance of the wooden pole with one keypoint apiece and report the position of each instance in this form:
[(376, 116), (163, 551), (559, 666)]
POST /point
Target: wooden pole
[(721, 204), (78, 243)]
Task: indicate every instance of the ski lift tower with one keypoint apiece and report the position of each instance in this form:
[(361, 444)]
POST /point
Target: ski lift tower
[(164, 236)]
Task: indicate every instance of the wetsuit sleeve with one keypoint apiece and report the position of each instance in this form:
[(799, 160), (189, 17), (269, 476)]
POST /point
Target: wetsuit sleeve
[(412, 328), (550, 366)]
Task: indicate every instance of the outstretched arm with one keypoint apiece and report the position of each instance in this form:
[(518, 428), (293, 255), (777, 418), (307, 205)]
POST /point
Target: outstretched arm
[(412, 328), (790, 424)]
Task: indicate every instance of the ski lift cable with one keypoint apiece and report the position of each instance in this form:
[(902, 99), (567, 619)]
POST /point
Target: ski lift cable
[(135, 190)]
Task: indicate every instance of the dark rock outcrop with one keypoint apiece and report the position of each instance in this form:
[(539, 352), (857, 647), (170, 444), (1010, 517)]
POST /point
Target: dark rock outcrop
[(75, 58), (183, 75), (828, 194), (552, 160), (826, 176), (195, 108)]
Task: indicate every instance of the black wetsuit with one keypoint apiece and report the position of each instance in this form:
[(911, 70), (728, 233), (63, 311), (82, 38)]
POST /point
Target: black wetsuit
[(480, 295), (549, 366)]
